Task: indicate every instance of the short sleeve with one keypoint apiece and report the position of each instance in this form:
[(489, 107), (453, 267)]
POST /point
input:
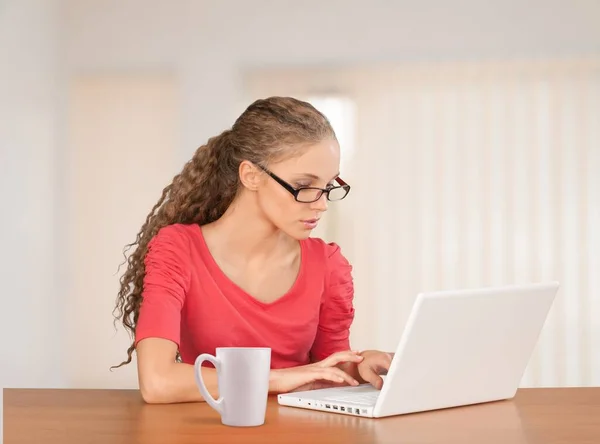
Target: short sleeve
[(165, 285), (337, 311)]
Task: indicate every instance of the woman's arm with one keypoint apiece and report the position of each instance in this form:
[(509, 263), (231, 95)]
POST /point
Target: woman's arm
[(163, 380)]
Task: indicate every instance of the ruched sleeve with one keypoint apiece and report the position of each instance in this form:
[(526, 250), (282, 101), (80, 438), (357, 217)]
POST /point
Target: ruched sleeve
[(337, 311), (165, 286)]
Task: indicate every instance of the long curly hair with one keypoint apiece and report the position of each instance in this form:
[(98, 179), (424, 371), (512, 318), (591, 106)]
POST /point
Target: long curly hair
[(269, 129)]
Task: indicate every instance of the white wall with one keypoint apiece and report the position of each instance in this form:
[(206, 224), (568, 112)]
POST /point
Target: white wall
[(32, 309), (123, 132), (211, 42)]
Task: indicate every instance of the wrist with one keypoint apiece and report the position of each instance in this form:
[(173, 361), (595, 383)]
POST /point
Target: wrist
[(274, 377), (366, 352)]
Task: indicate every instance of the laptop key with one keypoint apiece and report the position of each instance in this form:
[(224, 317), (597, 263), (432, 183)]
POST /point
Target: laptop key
[(363, 399)]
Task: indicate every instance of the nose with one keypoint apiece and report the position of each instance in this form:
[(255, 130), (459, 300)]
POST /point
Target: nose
[(321, 203)]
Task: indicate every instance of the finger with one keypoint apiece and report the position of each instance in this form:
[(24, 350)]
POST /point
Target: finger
[(321, 384), (370, 376), (338, 375), (382, 362), (339, 357), (325, 374)]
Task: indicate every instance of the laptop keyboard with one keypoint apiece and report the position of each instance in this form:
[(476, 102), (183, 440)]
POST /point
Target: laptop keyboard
[(368, 398)]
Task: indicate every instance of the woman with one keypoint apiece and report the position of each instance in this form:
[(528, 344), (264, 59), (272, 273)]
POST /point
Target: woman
[(225, 259)]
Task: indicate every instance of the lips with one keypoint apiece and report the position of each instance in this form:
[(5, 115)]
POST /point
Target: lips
[(310, 223)]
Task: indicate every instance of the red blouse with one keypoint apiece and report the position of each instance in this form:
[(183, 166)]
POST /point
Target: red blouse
[(190, 301)]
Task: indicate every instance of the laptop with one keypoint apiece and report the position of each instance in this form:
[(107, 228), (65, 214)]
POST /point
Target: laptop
[(459, 347)]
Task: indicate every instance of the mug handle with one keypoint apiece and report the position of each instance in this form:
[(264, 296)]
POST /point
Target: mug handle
[(215, 404)]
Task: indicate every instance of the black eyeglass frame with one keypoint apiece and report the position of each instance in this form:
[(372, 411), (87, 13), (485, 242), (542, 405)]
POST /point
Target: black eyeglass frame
[(295, 191)]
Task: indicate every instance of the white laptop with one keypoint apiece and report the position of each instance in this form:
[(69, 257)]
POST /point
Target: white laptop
[(458, 348)]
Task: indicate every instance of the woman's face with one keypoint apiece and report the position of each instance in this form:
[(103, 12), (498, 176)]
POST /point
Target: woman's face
[(317, 166)]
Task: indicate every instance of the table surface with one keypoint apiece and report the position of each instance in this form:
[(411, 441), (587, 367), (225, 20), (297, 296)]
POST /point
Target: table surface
[(548, 415)]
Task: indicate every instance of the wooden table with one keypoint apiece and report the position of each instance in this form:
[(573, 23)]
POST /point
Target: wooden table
[(549, 416)]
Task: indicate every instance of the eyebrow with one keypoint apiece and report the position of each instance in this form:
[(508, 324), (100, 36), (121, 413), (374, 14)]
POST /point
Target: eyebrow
[(313, 176)]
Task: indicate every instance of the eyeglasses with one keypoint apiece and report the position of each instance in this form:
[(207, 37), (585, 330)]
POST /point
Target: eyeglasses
[(312, 194)]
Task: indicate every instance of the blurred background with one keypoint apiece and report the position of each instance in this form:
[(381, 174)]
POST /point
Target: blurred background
[(470, 133)]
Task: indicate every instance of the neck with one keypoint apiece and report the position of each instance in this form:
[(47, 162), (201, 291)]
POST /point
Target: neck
[(243, 233)]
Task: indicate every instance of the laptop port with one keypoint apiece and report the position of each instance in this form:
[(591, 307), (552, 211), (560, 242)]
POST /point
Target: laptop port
[(335, 407), (357, 411), (343, 409), (364, 411), (327, 406)]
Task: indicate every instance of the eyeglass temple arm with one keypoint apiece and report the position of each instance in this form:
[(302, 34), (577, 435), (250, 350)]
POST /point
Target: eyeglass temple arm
[(341, 182)]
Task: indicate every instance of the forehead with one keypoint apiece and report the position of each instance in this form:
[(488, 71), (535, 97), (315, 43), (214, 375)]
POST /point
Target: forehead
[(321, 159)]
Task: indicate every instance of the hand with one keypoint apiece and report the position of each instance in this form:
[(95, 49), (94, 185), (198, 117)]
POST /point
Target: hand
[(313, 376), (374, 364)]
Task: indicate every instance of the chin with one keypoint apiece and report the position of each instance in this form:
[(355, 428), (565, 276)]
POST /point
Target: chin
[(297, 234), (303, 235)]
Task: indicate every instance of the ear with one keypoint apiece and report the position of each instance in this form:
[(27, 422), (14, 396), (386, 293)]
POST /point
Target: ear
[(250, 175)]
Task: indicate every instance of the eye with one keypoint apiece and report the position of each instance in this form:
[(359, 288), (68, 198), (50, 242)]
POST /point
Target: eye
[(301, 185)]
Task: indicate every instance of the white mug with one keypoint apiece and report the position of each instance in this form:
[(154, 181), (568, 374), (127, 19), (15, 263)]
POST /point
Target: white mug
[(243, 380)]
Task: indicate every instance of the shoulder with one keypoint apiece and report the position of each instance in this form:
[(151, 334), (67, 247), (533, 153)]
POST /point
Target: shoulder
[(328, 252), (175, 235), (172, 241), (167, 258), (339, 282)]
